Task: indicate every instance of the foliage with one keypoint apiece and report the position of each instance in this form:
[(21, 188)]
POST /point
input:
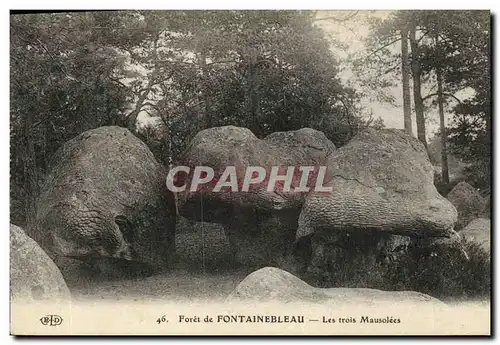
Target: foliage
[(166, 75), (439, 269), (443, 271), (61, 85), (273, 71)]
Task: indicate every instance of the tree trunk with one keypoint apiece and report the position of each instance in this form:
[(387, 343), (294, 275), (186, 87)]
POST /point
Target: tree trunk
[(405, 71), (143, 96), (30, 168), (252, 99), (444, 155), (207, 119), (417, 94), (131, 119)]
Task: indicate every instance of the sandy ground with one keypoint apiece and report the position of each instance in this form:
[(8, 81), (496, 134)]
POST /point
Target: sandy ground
[(174, 286), (204, 270)]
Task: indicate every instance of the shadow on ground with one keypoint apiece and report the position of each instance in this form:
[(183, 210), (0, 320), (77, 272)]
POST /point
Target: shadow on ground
[(204, 268)]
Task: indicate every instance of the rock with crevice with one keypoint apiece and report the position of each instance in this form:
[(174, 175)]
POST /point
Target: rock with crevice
[(260, 224)]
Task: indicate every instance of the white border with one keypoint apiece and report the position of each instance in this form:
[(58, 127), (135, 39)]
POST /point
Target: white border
[(185, 4)]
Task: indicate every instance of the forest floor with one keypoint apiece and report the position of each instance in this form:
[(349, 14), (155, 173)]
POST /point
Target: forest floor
[(204, 270)]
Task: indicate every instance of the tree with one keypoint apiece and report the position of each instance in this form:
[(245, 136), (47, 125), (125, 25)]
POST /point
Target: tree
[(470, 134), (449, 54), (405, 75), (444, 155), (61, 84), (385, 35), (456, 55), (177, 71), (417, 84), (265, 70)]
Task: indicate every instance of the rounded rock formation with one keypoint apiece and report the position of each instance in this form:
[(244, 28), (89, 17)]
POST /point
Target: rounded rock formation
[(382, 185), (478, 231), (468, 202), (34, 277), (105, 202), (381, 180), (260, 224), (276, 285)]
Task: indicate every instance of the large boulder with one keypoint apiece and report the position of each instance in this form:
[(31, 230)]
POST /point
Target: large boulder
[(487, 208), (276, 285), (468, 202), (260, 224), (310, 143), (478, 231), (105, 202), (34, 277), (382, 185)]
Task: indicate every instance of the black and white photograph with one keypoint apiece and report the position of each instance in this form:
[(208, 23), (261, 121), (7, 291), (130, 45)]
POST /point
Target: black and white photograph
[(250, 172)]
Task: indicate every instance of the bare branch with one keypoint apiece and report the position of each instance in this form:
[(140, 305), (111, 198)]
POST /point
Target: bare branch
[(337, 19), (149, 104), (391, 69), (118, 82), (165, 121), (383, 47), (422, 37), (444, 94), (222, 62)]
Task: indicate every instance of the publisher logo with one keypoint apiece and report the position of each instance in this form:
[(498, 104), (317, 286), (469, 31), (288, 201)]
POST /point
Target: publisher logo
[(51, 320)]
